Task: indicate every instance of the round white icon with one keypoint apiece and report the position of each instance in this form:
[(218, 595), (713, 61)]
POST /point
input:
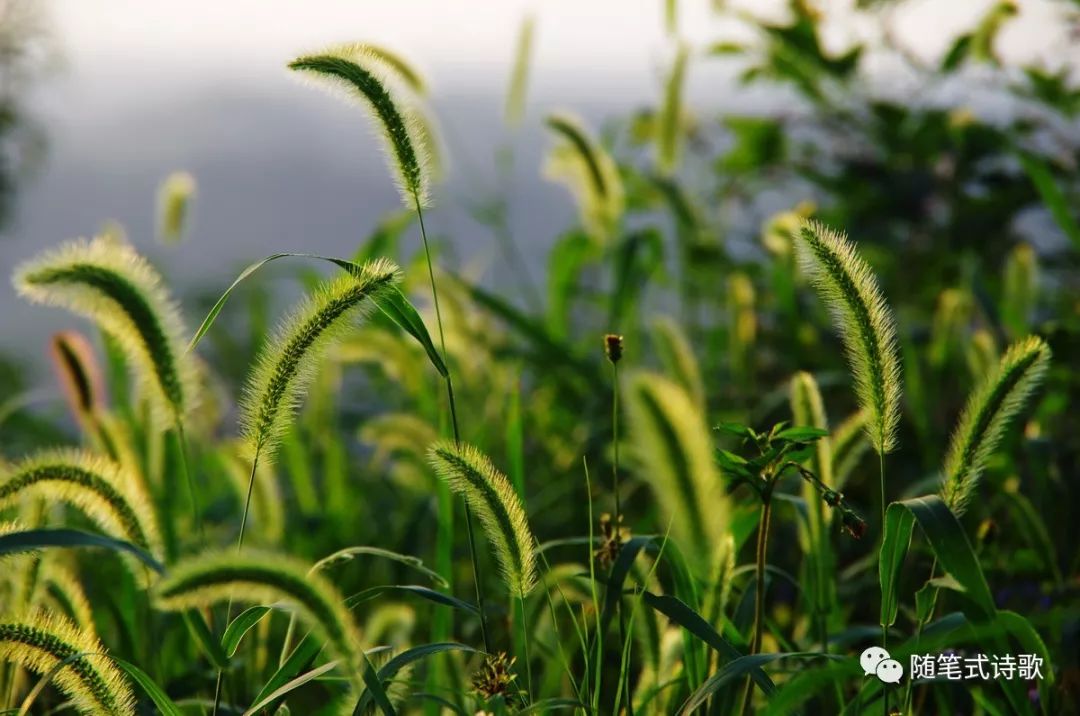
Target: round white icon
[(875, 660)]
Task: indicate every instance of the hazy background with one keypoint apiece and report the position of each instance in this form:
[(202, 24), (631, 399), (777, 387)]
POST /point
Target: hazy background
[(136, 90)]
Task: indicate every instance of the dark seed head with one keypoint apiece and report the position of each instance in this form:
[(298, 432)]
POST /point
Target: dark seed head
[(613, 345)]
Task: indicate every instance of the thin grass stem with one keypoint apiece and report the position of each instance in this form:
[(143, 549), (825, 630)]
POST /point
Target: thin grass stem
[(761, 553), (477, 575), (525, 641)]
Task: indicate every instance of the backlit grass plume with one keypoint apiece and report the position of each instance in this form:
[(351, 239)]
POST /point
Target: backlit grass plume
[(1020, 291), (589, 172), (670, 120), (174, 206), (677, 357), (987, 414), (288, 360), (264, 578), (116, 288), (519, 75), (489, 494), (64, 591), (671, 441), (850, 290), (111, 496), (41, 643), (80, 377), (362, 74)]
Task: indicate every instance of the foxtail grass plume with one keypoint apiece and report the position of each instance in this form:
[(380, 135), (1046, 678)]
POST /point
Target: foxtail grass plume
[(79, 374), (113, 497), (116, 288), (49, 644), (65, 593), (670, 121), (469, 473), (174, 206), (589, 172), (264, 578), (519, 75), (287, 362), (1021, 289), (849, 442), (850, 290), (808, 410), (363, 75), (672, 444), (677, 357), (989, 410)]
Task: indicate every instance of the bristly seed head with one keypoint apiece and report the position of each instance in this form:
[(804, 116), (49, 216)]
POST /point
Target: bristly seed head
[(613, 347)]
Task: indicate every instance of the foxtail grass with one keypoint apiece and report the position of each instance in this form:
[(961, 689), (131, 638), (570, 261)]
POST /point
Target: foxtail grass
[(1020, 292), (110, 495), (362, 74), (519, 75), (116, 288), (490, 495), (589, 172), (850, 291), (677, 356), (670, 121), (990, 408), (65, 591), (48, 644), (174, 206), (265, 577), (671, 442), (808, 410)]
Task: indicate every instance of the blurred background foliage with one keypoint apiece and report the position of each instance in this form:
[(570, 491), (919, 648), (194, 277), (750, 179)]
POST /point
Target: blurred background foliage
[(967, 215)]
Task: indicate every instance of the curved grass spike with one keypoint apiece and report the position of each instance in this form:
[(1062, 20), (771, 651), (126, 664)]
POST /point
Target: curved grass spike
[(1020, 293), (174, 206), (110, 495), (849, 289), (79, 374), (288, 360), (669, 123), (397, 66), (989, 410), (677, 357), (265, 577), (672, 443), (116, 288), (63, 588), (589, 172), (848, 442), (41, 643), (519, 75), (362, 76), (471, 474)]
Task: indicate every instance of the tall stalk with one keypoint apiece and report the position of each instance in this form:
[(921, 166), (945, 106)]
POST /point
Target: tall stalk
[(760, 555), (477, 576)]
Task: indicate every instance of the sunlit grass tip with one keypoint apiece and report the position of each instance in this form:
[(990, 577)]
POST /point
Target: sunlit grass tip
[(470, 473), (112, 496), (990, 408), (365, 74), (671, 442), (589, 172), (175, 197), (850, 290), (264, 578), (41, 643), (288, 360), (108, 282)]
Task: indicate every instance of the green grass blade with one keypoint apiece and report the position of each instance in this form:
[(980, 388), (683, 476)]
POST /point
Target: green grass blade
[(29, 540), (949, 543), (164, 705), (1052, 196), (291, 686), (240, 626), (392, 667), (738, 668)]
